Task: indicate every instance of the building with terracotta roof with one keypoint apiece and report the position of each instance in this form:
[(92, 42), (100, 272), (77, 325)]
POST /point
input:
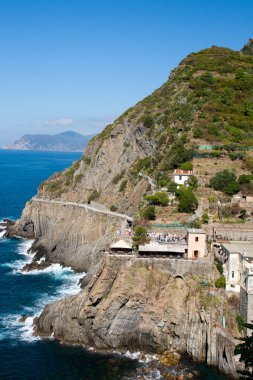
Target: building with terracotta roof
[(181, 176)]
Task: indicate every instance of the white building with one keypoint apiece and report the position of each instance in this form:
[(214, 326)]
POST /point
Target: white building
[(181, 176), (239, 273)]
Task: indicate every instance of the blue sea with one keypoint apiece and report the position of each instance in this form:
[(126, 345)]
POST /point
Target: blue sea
[(23, 356)]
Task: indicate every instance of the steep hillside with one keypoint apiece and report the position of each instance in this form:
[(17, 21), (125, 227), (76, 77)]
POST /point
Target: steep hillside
[(62, 142), (208, 99)]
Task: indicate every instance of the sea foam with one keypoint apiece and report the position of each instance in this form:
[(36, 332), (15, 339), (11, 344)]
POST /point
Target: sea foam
[(11, 326)]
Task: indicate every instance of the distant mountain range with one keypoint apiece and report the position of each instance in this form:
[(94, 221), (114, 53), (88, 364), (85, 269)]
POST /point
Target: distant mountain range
[(68, 141)]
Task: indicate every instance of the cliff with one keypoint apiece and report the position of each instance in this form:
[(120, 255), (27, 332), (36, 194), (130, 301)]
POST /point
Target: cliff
[(142, 304), (69, 235)]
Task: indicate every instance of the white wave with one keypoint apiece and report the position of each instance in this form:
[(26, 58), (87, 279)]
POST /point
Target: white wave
[(140, 356), (26, 330), (2, 233), (10, 325), (24, 247)]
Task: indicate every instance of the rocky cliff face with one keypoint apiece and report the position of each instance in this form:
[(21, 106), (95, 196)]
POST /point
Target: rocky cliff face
[(137, 305), (67, 235), (140, 304)]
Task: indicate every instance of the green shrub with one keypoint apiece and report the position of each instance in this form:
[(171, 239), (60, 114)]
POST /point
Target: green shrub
[(54, 186), (140, 235), (141, 164), (78, 178), (94, 195), (118, 177), (245, 179), (195, 223), (148, 121), (240, 322), (198, 133), (172, 187), (193, 182), (187, 201), (148, 212), (87, 160), (123, 185), (249, 163), (225, 181), (186, 166), (113, 208), (220, 282), (205, 218), (159, 198), (219, 266)]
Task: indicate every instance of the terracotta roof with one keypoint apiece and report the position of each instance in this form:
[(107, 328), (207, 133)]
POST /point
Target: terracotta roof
[(183, 172)]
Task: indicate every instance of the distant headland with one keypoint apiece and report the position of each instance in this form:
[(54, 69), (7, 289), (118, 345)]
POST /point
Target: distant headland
[(68, 141)]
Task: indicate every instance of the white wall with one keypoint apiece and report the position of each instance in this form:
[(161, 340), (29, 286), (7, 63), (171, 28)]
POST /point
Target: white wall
[(183, 179)]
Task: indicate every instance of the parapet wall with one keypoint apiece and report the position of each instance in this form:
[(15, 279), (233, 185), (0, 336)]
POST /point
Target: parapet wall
[(234, 232), (177, 267)]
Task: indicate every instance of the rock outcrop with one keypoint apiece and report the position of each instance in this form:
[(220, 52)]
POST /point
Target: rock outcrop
[(68, 235), (135, 304)]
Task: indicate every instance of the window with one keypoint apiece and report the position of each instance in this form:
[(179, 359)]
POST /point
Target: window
[(233, 274), (196, 238), (180, 178)]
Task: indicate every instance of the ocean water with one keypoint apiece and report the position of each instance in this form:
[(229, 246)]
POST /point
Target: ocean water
[(23, 356)]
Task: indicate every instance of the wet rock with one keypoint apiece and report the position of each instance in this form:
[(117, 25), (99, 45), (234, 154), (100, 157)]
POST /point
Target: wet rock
[(23, 318), (34, 265), (169, 358)]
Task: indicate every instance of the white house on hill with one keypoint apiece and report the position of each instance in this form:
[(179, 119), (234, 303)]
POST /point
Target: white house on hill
[(181, 176)]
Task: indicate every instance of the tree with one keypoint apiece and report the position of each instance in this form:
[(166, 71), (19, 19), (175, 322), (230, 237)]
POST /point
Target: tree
[(205, 218), (245, 179), (149, 212), (140, 235), (159, 198), (225, 181), (193, 182), (187, 201), (245, 349), (186, 166), (172, 187)]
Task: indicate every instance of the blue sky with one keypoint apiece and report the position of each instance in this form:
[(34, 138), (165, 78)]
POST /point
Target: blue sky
[(79, 64)]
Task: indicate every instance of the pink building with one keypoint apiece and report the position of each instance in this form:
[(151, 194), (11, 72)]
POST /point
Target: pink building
[(196, 241)]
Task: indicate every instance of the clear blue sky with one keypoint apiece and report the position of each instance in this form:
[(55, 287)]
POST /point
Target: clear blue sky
[(78, 64)]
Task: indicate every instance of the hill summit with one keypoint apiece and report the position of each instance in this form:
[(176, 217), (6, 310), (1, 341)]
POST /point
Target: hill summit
[(206, 102)]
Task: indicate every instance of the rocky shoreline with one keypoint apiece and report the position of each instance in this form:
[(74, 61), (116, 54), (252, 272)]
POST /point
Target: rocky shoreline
[(133, 305)]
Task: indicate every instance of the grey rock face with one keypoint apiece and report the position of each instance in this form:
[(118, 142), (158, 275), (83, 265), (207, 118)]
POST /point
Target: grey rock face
[(67, 235), (137, 306)]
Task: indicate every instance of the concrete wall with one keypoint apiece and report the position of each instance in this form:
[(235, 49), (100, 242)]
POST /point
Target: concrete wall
[(243, 303), (246, 307), (236, 232), (233, 271), (177, 267), (180, 179)]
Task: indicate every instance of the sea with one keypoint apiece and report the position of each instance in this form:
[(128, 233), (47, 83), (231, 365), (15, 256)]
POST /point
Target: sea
[(22, 355)]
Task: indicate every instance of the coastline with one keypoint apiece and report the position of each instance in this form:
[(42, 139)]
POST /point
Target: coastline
[(89, 284)]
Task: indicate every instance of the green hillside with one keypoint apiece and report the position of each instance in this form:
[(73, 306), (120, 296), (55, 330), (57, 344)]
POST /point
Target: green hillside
[(208, 99)]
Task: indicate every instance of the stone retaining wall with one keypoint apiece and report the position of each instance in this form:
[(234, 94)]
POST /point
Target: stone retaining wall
[(177, 267)]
